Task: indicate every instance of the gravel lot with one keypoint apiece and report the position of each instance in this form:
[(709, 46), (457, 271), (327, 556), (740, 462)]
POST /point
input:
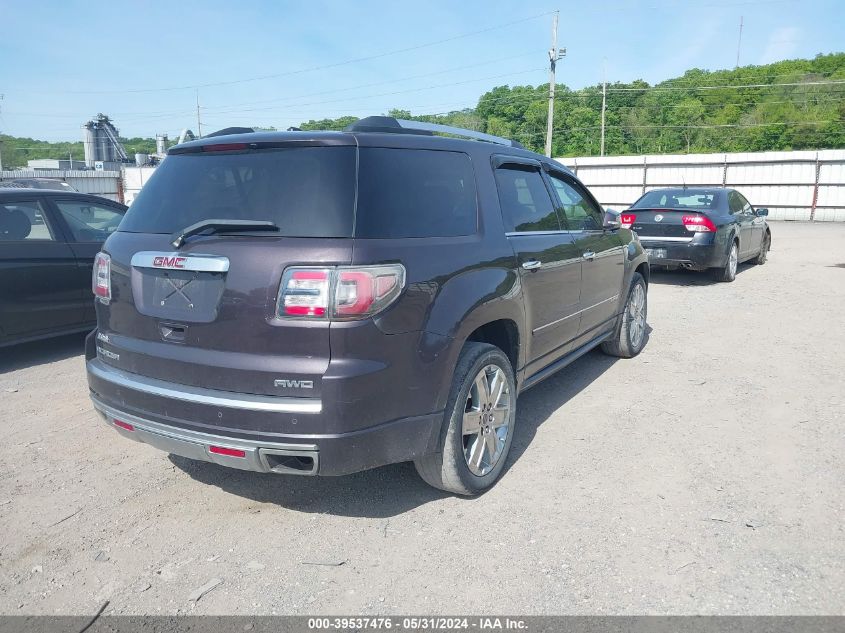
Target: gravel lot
[(705, 476)]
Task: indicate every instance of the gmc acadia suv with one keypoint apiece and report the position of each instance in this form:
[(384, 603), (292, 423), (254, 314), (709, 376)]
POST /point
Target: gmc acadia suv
[(321, 303)]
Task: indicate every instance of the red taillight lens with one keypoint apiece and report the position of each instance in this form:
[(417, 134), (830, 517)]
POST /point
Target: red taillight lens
[(345, 292), (627, 219), (229, 452), (363, 291), (124, 425), (699, 224), (101, 278), (305, 292)]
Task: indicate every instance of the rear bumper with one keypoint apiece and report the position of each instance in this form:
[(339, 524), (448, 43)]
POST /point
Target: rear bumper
[(116, 394), (690, 254)]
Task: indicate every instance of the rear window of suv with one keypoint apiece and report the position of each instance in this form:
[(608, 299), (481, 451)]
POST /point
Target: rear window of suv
[(305, 191), (311, 192), (415, 193)]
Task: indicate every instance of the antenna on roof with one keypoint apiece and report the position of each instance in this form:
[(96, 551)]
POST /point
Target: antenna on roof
[(683, 180)]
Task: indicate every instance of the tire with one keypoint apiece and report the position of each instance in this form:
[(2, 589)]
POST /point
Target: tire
[(728, 271), (628, 339), (449, 469), (764, 249)]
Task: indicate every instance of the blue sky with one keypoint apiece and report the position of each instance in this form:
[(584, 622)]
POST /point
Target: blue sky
[(280, 63)]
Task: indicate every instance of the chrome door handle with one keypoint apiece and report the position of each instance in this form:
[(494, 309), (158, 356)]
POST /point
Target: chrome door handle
[(589, 255), (532, 264)]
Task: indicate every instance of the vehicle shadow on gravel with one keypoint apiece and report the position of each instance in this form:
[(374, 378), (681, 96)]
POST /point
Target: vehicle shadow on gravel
[(41, 352), (392, 490), (683, 277)]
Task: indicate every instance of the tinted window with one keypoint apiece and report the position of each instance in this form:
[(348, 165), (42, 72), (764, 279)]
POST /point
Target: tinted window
[(678, 199), (89, 222), (415, 193), (525, 201), (23, 220), (580, 212), (306, 191)]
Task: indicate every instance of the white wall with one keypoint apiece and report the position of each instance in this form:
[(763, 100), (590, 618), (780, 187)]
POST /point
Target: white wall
[(805, 185)]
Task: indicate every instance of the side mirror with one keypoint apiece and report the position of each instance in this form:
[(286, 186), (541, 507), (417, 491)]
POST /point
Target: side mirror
[(611, 220), (761, 212)]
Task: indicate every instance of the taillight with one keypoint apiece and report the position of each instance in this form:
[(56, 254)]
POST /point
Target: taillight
[(699, 224), (627, 219), (101, 278), (345, 292), (364, 291), (305, 292)]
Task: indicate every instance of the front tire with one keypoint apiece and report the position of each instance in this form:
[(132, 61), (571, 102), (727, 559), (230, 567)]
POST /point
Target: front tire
[(628, 339), (728, 272), (481, 411)]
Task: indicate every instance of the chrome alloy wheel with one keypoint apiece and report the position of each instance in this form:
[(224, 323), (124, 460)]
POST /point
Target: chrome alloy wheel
[(636, 315), (486, 420), (733, 258)]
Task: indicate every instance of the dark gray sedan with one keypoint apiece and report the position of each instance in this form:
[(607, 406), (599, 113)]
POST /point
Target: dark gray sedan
[(48, 239), (700, 229)]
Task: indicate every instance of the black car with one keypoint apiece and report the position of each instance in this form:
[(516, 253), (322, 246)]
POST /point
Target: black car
[(48, 240), (321, 303), (700, 229)]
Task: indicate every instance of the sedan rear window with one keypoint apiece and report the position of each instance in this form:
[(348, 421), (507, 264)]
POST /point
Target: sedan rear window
[(677, 199), (305, 191)]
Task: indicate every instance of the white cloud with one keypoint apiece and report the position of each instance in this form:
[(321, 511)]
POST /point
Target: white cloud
[(782, 44)]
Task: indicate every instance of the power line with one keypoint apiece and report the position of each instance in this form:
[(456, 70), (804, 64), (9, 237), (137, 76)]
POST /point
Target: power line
[(300, 71)]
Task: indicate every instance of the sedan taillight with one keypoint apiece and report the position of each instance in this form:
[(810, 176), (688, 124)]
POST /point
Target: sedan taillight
[(341, 293), (698, 224), (627, 219), (101, 277)]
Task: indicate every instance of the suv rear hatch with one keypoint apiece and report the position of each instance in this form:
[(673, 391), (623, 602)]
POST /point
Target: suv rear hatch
[(205, 314)]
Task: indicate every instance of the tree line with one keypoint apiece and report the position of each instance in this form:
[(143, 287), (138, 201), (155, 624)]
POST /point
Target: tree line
[(788, 105)]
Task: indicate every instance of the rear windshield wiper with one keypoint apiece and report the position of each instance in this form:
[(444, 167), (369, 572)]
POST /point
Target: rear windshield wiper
[(221, 226)]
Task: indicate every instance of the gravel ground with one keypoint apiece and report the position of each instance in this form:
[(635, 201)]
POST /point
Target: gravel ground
[(705, 476)]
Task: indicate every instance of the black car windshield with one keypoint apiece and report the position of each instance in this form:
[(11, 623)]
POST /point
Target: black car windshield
[(305, 191), (700, 199)]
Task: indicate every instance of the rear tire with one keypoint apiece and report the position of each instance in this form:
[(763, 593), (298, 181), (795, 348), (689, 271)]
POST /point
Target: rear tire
[(764, 249), (480, 415), (728, 272), (628, 339)]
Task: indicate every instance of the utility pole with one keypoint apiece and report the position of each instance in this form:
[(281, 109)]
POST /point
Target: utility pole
[(739, 43), (554, 56), (603, 105), (199, 123)]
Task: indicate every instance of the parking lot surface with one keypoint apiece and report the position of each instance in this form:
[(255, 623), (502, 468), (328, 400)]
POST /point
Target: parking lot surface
[(704, 476)]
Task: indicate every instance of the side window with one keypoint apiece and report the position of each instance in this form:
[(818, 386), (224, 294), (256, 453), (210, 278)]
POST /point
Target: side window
[(735, 202), (415, 193), (525, 201), (24, 220), (89, 222), (580, 211), (746, 206)]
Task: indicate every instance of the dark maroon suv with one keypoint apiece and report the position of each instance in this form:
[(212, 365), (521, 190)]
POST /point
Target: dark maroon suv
[(321, 303)]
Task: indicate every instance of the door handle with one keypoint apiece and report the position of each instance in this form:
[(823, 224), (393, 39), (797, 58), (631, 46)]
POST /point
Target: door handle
[(589, 255), (532, 264)]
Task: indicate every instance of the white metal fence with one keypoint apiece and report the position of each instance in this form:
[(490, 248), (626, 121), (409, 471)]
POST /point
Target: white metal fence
[(107, 184), (806, 185)]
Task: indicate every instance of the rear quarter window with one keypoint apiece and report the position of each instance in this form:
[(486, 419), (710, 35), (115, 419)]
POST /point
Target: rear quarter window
[(415, 193)]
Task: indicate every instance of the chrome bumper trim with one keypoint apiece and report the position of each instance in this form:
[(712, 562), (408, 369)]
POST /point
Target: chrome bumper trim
[(200, 395), (195, 444)]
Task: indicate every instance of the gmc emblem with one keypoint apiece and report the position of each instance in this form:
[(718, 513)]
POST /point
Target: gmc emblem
[(169, 262)]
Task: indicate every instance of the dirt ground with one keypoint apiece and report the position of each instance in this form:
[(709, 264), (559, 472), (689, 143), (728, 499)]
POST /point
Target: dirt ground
[(704, 476)]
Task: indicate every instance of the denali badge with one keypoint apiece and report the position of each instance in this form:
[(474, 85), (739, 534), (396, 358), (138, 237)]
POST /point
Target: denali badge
[(102, 337), (108, 353), (294, 384)]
